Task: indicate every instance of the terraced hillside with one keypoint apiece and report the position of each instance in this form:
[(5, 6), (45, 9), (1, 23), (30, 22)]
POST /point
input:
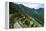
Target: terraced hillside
[(21, 16)]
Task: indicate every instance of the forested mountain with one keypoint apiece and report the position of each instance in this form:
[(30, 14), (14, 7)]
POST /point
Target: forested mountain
[(36, 14)]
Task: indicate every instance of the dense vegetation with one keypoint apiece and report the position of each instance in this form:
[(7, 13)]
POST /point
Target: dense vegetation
[(26, 17)]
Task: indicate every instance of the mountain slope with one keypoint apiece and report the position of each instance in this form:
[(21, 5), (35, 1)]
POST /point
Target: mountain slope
[(26, 17)]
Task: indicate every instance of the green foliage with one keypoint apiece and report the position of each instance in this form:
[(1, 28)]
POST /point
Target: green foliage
[(25, 15)]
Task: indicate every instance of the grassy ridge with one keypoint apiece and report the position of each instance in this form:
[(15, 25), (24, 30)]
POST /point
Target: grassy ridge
[(26, 17)]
